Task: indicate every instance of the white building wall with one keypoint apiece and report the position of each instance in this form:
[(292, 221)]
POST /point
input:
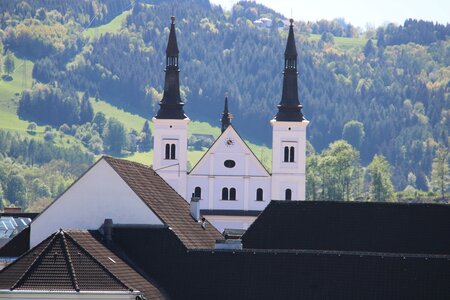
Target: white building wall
[(288, 175), (174, 171), (99, 194)]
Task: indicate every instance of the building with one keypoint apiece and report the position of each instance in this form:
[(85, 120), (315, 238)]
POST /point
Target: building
[(231, 183)]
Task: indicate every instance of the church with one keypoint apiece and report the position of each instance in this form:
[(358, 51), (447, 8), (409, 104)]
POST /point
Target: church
[(229, 182)]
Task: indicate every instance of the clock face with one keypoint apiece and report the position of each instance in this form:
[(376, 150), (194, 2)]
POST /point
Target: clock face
[(229, 142)]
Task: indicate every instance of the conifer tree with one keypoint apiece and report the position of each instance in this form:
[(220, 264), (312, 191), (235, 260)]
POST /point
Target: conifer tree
[(381, 188), (86, 110), (440, 174)]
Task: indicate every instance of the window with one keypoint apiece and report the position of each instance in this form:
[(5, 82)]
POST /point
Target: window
[(167, 156), (259, 194), (228, 194), (232, 194), (197, 192), (229, 163), (288, 194), (289, 152), (170, 152), (225, 193), (286, 154)]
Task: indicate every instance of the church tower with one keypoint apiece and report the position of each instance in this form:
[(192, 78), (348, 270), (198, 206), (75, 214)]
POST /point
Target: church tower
[(171, 124), (289, 133)]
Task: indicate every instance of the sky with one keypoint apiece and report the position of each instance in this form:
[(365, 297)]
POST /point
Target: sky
[(357, 12)]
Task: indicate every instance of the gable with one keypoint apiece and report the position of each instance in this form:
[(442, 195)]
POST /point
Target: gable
[(97, 195), (230, 147)]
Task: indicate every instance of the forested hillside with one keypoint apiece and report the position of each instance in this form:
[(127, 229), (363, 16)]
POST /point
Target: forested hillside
[(385, 91)]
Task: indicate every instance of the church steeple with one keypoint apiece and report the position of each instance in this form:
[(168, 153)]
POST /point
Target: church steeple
[(226, 116), (289, 108), (171, 106)]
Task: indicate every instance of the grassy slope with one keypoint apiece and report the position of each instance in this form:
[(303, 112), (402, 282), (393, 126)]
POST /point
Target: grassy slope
[(110, 27), (342, 42)]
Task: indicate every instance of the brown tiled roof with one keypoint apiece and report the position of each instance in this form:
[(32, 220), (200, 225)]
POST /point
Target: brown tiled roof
[(74, 261), (166, 203)]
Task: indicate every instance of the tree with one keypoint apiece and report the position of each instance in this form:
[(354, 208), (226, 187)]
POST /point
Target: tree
[(86, 110), (32, 127), (339, 171), (381, 188), (369, 49), (353, 133), (100, 120), (16, 191), (145, 138), (9, 64), (115, 135), (440, 174)]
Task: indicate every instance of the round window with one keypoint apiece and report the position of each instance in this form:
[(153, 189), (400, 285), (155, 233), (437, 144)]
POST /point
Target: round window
[(229, 163)]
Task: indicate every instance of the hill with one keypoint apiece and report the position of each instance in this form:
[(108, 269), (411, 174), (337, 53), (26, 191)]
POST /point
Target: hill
[(394, 82)]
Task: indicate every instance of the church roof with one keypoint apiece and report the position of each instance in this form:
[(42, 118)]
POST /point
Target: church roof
[(74, 260), (291, 50), (352, 226), (172, 45), (171, 106), (166, 203), (289, 108)]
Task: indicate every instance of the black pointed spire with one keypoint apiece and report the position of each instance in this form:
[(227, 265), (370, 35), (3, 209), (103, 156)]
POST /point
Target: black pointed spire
[(171, 106), (289, 108), (226, 116)]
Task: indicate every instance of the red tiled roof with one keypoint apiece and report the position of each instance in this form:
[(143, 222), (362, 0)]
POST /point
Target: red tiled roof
[(74, 261), (166, 203)]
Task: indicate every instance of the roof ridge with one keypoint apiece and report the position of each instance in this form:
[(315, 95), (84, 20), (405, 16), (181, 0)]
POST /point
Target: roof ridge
[(69, 259), (32, 265), (99, 263)]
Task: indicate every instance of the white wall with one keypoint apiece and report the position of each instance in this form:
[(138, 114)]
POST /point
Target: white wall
[(288, 175), (174, 171), (211, 175), (98, 195)]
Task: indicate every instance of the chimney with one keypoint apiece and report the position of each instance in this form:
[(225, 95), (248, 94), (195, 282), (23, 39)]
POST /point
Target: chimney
[(195, 207), (107, 230)]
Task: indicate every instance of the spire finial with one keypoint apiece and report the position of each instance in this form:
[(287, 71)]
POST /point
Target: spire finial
[(172, 18), (291, 21)]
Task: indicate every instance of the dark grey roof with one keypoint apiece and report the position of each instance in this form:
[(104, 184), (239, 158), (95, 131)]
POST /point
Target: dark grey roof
[(352, 226)]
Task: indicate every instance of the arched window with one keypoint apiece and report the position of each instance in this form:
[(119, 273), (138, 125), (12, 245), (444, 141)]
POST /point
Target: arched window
[(288, 194), (259, 194), (172, 151), (225, 193), (291, 154), (232, 194), (167, 156), (286, 154), (197, 192)]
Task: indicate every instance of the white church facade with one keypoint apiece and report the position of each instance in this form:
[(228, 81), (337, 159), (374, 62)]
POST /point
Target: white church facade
[(230, 182)]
